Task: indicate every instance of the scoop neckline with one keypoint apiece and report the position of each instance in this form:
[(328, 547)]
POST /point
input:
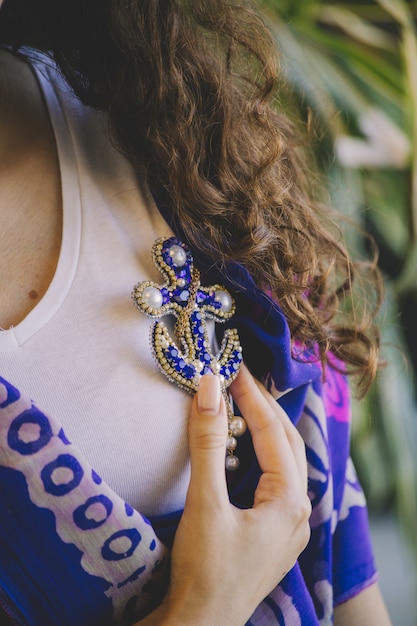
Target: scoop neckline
[(15, 336)]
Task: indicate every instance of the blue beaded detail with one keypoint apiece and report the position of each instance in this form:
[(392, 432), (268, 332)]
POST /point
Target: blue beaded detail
[(187, 356)]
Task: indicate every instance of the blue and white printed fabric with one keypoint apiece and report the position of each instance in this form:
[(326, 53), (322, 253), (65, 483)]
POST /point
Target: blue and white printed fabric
[(71, 551)]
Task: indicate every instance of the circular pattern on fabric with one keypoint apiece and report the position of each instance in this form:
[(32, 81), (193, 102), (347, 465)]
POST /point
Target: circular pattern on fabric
[(29, 432), (56, 482), (94, 513), (124, 543)]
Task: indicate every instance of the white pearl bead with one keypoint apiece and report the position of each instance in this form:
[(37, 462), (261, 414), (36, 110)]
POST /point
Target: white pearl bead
[(237, 426), (232, 463), (181, 282), (231, 443), (215, 367), (178, 255), (225, 300), (152, 297)]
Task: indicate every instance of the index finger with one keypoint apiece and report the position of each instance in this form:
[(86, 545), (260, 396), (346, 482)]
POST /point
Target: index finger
[(278, 446)]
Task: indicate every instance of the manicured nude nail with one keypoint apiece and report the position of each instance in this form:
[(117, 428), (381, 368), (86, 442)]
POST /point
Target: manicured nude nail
[(208, 395)]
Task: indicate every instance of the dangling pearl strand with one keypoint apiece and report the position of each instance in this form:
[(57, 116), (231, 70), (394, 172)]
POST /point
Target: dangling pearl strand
[(232, 463), (237, 425), (236, 428)]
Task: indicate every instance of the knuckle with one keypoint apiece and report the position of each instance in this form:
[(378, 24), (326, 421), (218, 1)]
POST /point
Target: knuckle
[(300, 507), (210, 441), (306, 507), (305, 534), (292, 501), (277, 487), (304, 529)]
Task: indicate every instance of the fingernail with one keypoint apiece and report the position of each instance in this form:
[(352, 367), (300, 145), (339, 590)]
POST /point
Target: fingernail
[(209, 394)]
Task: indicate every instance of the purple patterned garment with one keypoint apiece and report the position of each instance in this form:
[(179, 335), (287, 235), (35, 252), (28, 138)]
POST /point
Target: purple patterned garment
[(64, 534)]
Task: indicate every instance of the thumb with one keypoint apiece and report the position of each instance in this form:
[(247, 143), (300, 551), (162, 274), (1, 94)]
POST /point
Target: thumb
[(207, 435)]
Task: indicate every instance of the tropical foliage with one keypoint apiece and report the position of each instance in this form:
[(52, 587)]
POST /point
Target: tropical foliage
[(353, 65)]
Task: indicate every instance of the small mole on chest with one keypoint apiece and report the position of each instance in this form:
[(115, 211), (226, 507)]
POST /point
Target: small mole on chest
[(33, 295)]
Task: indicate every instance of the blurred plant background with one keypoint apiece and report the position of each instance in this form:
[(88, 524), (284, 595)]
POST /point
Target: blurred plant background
[(353, 65)]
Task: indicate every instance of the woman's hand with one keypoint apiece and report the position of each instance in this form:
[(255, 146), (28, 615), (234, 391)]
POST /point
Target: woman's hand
[(226, 560)]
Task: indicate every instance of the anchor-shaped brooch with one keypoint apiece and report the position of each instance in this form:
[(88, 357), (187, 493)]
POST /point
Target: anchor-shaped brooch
[(185, 358)]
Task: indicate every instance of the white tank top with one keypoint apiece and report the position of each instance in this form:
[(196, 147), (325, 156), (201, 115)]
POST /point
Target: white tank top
[(83, 352)]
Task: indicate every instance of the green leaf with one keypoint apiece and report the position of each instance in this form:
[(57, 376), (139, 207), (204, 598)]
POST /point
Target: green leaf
[(356, 28)]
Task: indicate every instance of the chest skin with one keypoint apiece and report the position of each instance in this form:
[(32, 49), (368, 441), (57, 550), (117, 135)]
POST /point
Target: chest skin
[(30, 193)]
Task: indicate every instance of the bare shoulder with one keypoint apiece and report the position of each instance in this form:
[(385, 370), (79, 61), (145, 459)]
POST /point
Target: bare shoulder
[(365, 609)]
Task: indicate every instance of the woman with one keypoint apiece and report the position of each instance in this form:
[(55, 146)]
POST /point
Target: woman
[(184, 92)]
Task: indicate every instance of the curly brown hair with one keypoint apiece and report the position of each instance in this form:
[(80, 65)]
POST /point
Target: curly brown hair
[(192, 93)]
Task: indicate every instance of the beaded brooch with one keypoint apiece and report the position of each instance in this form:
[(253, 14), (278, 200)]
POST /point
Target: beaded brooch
[(185, 358)]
